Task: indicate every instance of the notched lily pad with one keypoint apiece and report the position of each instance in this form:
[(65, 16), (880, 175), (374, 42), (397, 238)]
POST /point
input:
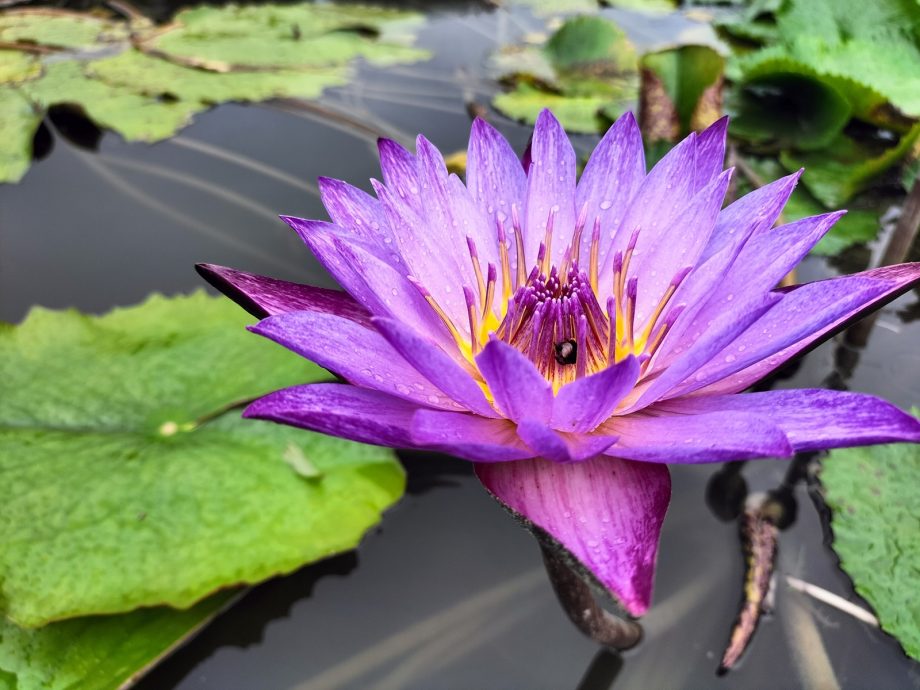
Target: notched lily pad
[(875, 519), (127, 480)]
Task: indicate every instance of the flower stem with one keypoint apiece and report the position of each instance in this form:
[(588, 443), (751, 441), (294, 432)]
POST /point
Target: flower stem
[(579, 604)]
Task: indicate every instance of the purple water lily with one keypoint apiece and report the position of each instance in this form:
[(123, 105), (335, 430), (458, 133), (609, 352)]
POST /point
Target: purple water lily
[(570, 336)]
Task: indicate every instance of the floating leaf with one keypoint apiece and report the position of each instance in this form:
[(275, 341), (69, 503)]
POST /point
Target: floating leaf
[(286, 36), (576, 113), (869, 51), (123, 483), (586, 73), (846, 167), (59, 28), (681, 91), (162, 80), (98, 652), (875, 519), (18, 121), (17, 66), (785, 109)]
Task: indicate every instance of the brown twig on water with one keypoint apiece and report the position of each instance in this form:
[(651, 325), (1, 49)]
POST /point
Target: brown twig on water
[(758, 533)]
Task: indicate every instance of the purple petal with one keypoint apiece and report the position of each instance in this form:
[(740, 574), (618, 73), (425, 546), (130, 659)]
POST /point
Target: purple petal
[(371, 280), (520, 391), (550, 189), (611, 178), (581, 405), (814, 419), (750, 215), (606, 512), (262, 296), (436, 365), (340, 410), (353, 351), (354, 210), (560, 447), (678, 248), (494, 174), (663, 194), (695, 438), (806, 315), (710, 152), (708, 339), (469, 436), (400, 172)]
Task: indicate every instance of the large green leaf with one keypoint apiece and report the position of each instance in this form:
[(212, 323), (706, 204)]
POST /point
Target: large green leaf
[(835, 174), (18, 121), (97, 652), (17, 66), (576, 113), (123, 481), (869, 51), (593, 45), (59, 28), (872, 493)]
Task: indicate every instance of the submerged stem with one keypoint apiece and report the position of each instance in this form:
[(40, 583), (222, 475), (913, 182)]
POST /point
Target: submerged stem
[(576, 598)]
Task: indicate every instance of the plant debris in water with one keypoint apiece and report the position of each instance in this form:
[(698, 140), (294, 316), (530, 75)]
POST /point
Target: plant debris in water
[(146, 82)]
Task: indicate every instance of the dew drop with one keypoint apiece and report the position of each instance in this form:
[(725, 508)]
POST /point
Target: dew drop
[(605, 204)]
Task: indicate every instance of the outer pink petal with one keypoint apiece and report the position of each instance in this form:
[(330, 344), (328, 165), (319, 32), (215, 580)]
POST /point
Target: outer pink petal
[(606, 512)]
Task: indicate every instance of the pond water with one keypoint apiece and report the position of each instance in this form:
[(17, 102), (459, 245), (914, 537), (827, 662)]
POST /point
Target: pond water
[(448, 592)]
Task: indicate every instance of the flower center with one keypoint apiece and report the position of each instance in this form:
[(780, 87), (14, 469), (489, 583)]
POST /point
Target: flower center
[(554, 314)]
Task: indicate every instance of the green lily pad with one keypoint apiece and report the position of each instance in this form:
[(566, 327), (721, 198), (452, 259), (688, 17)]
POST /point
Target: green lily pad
[(164, 81), (875, 520), (98, 652), (870, 52), (681, 90), (17, 66), (126, 480), (586, 73), (785, 108), (59, 28), (135, 116), (18, 121), (846, 167), (289, 36)]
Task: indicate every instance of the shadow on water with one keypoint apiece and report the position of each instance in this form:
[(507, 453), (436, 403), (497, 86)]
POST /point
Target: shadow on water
[(449, 592)]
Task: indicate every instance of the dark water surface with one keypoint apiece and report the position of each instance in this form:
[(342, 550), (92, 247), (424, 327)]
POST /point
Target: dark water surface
[(448, 592)]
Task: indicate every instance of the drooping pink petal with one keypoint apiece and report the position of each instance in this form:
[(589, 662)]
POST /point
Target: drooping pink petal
[(813, 419), (562, 447), (710, 152), (436, 366), (341, 410), (586, 402), (469, 436), (657, 436), (356, 352), (520, 390), (262, 296), (606, 512), (550, 189), (611, 178), (368, 277), (806, 315)]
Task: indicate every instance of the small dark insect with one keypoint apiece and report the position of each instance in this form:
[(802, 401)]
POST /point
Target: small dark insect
[(566, 351), (295, 32)]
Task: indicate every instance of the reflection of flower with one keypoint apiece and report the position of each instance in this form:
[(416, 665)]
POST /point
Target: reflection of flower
[(569, 337)]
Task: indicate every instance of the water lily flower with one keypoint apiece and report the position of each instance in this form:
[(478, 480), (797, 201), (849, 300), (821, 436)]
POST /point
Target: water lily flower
[(568, 335)]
